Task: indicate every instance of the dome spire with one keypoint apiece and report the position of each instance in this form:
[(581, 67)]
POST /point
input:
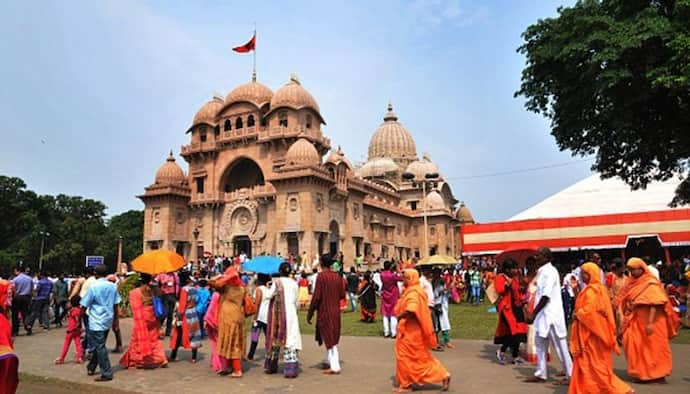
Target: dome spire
[(390, 115), (254, 76), (170, 156)]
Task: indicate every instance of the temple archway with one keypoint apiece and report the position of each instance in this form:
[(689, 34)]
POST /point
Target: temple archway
[(333, 238), (241, 173)]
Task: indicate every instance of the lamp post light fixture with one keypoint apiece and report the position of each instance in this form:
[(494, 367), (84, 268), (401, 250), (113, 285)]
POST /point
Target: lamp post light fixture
[(43, 235), (431, 179)]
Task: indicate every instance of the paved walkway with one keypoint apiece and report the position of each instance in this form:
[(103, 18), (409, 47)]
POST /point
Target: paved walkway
[(368, 367)]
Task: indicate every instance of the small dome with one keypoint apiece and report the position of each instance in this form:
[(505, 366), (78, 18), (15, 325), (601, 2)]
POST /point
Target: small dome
[(293, 95), (250, 92), (378, 167), (434, 201), (170, 173), (207, 113), (463, 214), (337, 156), (302, 152), (391, 139), (421, 168)]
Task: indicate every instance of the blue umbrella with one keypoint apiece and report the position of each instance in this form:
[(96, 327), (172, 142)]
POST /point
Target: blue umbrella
[(263, 264)]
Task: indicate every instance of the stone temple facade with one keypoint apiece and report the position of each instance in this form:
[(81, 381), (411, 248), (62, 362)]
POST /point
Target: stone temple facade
[(263, 178)]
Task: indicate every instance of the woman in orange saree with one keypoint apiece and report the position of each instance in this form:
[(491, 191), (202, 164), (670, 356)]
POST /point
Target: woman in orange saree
[(593, 338), (145, 349), (648, 322), (416, 336)]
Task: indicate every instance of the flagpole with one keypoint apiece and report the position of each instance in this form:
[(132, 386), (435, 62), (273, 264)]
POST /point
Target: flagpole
[(254, 68)]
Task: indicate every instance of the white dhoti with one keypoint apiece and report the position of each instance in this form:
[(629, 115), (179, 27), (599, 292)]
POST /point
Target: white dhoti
[(333, 358), (560, 346)]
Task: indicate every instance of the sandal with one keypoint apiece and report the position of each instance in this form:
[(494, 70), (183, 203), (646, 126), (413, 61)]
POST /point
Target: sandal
[(561, 382), (59, 360), (331, 372), (236, 375)]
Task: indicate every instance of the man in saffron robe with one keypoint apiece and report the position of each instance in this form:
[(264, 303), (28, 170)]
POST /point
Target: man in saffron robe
[(414, 362), (145, 348), (328, 292), (593, 339), (648, 322)]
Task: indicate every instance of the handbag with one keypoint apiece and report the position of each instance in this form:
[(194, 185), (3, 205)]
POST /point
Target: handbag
[(158, 307), (249, 306)]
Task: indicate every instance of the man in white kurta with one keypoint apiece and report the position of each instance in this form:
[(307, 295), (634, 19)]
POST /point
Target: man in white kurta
[(548, 318)]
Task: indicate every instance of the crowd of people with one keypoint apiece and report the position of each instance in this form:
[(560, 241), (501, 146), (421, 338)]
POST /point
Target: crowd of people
[(636, 305), (607, 305)]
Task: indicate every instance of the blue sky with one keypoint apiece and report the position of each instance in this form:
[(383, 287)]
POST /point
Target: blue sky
[(94, 94)]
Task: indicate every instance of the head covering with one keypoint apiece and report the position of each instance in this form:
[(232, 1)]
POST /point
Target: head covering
[(636, 262), (593, 271), (411, 277), (231, 277)]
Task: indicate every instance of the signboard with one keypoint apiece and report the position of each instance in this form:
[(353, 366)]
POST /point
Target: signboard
[(92, 261)]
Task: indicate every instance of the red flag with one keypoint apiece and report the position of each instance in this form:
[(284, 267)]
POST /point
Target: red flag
[(248, 47)]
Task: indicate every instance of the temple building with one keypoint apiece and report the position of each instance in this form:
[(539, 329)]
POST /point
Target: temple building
[(263, 178)]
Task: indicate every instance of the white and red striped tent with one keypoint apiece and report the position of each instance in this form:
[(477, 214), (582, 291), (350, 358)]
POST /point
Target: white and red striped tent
[(591, 214)]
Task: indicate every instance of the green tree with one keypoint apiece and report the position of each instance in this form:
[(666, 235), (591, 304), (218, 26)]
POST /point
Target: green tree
[(128, 225), (613, 76)]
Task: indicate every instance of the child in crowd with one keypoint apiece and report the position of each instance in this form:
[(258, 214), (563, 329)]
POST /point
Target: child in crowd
[(203, 298), (73, 332), (303, 292), (260, 323)]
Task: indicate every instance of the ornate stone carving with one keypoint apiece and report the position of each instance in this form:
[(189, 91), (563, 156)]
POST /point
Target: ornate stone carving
[(239, 218)]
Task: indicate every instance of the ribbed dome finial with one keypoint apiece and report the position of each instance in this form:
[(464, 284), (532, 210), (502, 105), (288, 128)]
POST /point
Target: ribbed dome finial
[(170, 156), (390, 115), (254, 76)]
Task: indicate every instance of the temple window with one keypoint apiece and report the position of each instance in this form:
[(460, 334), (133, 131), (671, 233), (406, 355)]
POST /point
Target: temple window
[(228, 125), (282, 119), (308, 122), (413, 205), (200, 185), (238, 123), (250, 121), (202, 136), (216, 130)]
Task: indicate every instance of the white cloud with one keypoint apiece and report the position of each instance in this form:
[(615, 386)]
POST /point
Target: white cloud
[(429, 15)]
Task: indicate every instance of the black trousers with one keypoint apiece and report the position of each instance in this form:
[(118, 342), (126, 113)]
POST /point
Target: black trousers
[(169, 301), (20, 305)]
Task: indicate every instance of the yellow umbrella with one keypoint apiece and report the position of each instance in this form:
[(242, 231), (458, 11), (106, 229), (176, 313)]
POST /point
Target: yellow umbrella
[(437, 259), (157, 262)]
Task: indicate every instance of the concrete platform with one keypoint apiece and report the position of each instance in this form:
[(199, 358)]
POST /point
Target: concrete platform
[(368, 367)]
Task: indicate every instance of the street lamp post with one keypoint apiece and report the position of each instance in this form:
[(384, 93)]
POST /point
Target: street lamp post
[(195, 248), (43, 235), (429, 177), (119, 254)]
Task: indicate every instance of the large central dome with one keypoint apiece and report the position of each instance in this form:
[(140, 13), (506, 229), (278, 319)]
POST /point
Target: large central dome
[(392, 140)]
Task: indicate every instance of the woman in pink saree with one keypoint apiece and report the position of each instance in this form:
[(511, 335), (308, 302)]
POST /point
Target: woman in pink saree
[(219, 364)]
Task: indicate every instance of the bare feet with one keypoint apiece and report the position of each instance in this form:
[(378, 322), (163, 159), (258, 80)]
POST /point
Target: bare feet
[(561, 382), (446, 384), (331, 372), (534, 379), (402, 390), (236, 375)]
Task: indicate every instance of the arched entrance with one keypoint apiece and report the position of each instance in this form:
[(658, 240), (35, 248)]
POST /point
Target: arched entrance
[(333, 238), (241, 244), (242, 173)]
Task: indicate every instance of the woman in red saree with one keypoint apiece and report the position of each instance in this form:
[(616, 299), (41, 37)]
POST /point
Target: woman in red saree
[(9, 363), (511, 329), (145, 349), (414, 362), (593, 339)]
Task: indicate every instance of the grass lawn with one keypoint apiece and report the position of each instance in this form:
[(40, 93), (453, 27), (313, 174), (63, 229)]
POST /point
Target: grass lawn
[(468, 322)]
